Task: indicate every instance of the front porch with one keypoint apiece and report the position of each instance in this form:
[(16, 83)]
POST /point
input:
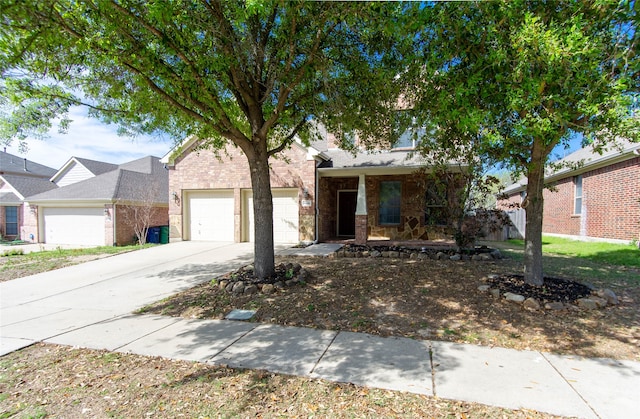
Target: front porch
[(378, 208)]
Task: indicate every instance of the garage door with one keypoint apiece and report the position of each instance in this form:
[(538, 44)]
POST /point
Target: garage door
[(211, 215), (285, 215), (81, 226)]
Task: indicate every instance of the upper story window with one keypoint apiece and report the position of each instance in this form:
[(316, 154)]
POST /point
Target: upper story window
[(390, 199), (577, 195), (410, 138)]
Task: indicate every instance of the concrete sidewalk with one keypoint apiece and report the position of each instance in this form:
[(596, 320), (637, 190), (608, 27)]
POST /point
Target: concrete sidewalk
[(89, 305), (560, 385)]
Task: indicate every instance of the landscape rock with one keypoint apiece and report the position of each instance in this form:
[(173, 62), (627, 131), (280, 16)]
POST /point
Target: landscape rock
[(587, 304), (495, 292), (238, 287), (279, 284), (486, 256), (600, 302), (455, 257), (375, 254), (303, 275), (484, 288), (413, 256), (608, 295), (496, 254), (385, 254), (516, 298), (251, 289), (223, 284), (554, 305), (476, 257), (394, 254), (440, 255), (268, 289), (531, 304)]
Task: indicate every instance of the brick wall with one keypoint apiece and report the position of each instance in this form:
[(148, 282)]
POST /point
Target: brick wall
[(559, 217), (125, 233), (611, 207), (202, 170)]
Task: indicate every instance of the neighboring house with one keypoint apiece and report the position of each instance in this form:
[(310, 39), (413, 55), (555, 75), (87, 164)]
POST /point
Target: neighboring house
[(320, 193), (19, 178), (93, 200), (598, 198)]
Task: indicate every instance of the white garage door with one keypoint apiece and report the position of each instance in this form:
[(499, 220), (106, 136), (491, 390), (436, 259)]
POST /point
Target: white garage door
[(211, 215), (81, 226), (285, 215)]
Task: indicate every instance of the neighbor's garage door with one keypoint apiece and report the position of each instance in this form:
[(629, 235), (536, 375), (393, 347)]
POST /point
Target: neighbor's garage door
[(81, 226), (211, 215), (285, 215)]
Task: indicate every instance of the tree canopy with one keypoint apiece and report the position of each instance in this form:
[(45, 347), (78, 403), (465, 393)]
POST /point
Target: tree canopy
[(247, 73), (524, 77)]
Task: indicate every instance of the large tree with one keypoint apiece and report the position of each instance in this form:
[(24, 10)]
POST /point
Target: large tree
[(525, 76), (247, 73)]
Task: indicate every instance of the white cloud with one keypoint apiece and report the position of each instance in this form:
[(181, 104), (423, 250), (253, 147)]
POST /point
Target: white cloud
[(90, 139)]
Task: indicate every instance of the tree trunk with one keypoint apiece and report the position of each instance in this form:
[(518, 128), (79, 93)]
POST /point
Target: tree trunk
[(264, 258), (534, 209)]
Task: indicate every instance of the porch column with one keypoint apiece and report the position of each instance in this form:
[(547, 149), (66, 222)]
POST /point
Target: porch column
[(361, 212)]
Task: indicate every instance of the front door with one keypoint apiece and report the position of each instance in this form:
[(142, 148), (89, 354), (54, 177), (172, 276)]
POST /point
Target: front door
[(347, 201)]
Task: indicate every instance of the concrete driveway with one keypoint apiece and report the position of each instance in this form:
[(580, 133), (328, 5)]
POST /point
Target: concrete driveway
[(45, 305)]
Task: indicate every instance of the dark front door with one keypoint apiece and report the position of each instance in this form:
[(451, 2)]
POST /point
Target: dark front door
[(347, 213)]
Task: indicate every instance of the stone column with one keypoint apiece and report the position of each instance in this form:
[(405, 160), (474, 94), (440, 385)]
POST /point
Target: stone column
[(361, 212)]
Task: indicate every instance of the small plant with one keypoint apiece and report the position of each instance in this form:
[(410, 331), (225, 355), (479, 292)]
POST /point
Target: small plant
[(13, 252), (289, 274), (311, 308)]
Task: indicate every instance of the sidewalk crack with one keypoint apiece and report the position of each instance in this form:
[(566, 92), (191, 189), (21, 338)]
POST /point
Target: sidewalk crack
[(324, 353), (433, 370)]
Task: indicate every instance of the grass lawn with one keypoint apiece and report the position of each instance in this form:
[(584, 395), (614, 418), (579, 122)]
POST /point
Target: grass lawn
[(613, 264), (608, 253), (15, 264)]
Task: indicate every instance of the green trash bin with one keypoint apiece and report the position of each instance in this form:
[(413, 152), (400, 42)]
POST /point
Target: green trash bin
[(164, 234)]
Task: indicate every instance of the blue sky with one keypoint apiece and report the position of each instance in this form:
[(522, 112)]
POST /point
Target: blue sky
[(90, 139)]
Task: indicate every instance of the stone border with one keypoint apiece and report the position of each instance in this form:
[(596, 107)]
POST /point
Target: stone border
[(241, 281), (599, 298), (478, 254)]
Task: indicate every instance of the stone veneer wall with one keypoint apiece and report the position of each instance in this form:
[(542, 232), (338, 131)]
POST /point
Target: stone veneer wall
[(411, 227)]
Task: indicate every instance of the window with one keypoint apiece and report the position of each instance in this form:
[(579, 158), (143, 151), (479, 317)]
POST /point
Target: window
[(436, 204), (410, 138), (11, 221), (577, 200), (390, 197)]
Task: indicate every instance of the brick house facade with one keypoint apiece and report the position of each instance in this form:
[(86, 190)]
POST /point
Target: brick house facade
[(599, 200), (193, 172), (210, 195)]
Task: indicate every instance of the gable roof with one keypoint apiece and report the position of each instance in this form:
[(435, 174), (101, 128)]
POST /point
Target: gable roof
[(93, 166), (24, 186), (10, 164), (128, 181), (584, 160)]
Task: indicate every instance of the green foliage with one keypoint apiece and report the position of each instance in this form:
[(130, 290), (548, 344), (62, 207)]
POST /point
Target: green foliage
[(606, 253), (511, 80)]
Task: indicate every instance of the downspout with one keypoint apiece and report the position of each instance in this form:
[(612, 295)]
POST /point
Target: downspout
[(113, 225), (316, 187)]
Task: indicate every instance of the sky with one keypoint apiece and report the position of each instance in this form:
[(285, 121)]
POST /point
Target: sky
[(90, 139)]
